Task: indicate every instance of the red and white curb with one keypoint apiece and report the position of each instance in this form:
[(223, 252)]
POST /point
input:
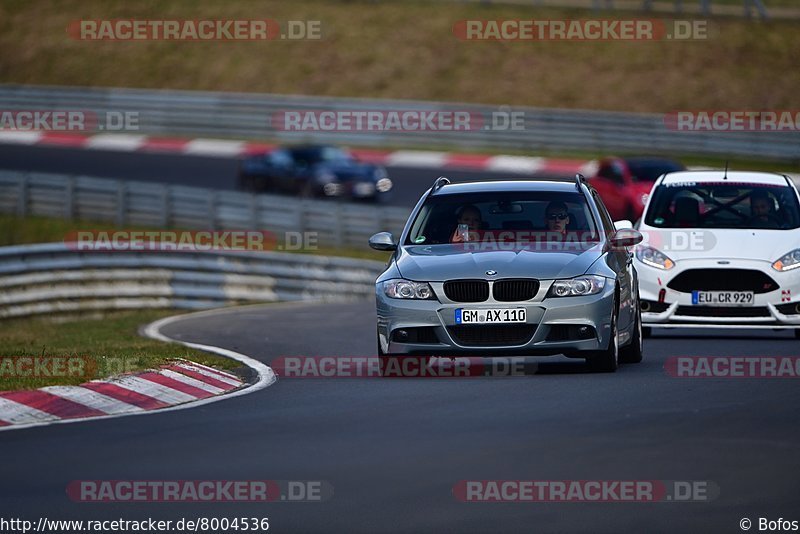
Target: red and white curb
[(180, 385), (226, 148)]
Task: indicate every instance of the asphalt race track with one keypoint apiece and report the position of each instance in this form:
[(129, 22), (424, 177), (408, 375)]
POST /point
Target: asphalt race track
[(195, 170), (393, 448)]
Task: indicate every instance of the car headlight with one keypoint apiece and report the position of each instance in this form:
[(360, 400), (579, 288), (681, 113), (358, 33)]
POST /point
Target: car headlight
[(654, 258), (383, 185), (577, 287), (406, 289), (788, 261)]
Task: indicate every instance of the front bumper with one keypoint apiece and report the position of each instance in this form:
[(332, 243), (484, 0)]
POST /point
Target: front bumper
[(777, 309), (543, 316)]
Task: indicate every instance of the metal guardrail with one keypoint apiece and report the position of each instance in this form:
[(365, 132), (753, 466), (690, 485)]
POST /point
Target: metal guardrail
[(746, 8), (248, 116), (147, 204), (52, 278)]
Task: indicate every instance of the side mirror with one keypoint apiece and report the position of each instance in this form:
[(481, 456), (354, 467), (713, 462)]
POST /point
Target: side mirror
[(383, 241), (623, 225), (626, 237)]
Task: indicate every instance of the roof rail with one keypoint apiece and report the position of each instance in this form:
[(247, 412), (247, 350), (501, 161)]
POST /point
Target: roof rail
[(579, 179), (439, 183)]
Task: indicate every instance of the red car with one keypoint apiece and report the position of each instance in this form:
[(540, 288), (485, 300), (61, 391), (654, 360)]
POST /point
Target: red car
[(624, 183)]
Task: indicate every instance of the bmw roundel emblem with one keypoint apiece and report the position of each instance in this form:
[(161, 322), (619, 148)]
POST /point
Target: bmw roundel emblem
[(490, 272)]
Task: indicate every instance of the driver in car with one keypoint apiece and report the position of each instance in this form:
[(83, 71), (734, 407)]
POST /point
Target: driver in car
[(761, 206), (470, 216), (556, 217)]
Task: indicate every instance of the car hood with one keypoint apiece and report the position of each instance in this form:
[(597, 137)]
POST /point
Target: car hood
[(351, 171), (438, 263), (724, 244)]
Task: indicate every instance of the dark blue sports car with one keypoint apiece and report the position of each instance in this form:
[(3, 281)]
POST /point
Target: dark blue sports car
[(314, 170)]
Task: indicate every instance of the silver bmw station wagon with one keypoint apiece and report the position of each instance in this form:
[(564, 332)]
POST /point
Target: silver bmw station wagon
[(510, 268)]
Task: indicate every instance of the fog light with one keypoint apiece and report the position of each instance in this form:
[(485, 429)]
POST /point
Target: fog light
[(797, 307), (401, 336), (584, 331), (645, 306)]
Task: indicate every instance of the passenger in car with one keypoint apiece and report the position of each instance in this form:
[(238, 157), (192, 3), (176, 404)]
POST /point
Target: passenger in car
[(471, 216)]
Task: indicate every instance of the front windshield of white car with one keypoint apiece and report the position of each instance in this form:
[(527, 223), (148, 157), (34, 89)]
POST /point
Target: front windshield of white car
[(723, 205)]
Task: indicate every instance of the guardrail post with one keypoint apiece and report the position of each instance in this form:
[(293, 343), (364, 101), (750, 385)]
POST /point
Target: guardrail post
[(121, 203), (166, 215), (24, 194), (69, 200), (758, 5), (339, 235), (253, 212), (212, 209), (303, 217)]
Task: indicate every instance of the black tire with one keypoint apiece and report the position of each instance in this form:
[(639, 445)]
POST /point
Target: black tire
[(307, 191), (247, 182), (632, 352), (607, 361)]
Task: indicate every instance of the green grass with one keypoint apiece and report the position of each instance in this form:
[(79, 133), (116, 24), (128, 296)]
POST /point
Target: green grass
[(406, 49), (96, 348)]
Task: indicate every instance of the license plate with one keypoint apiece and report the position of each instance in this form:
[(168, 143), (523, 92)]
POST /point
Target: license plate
[(722, 298), (493, 316)]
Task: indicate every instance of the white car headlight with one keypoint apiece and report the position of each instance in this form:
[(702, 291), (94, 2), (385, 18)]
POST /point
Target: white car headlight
[(406, 289), (654, 258), (788, 261), (577, 287), (383, 185)]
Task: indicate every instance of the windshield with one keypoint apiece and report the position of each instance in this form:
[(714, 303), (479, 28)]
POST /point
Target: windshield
[(510, 217), (319, 154), (723, 205)]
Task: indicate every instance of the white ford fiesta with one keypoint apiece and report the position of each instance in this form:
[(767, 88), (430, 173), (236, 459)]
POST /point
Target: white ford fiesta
[(721, 249)]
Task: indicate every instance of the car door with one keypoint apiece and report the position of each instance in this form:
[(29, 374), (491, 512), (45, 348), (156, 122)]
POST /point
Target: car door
[(621, 261), (609, 182)]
